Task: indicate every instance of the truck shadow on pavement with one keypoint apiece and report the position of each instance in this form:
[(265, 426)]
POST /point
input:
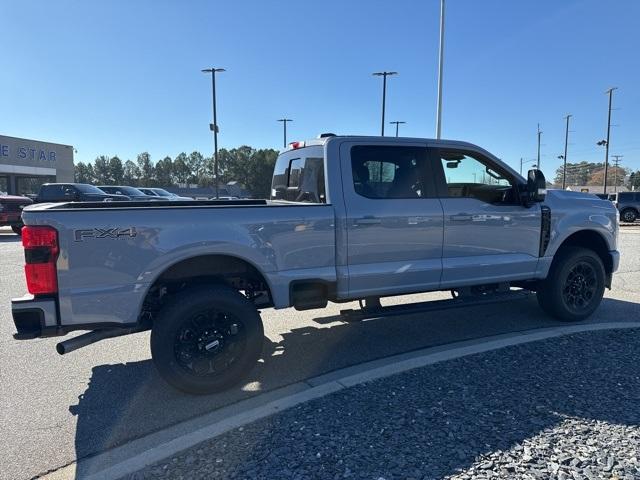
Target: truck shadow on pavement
[(129, 400)]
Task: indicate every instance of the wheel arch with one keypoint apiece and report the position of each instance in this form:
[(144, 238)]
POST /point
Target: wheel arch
[(592, 240), (236, 272)]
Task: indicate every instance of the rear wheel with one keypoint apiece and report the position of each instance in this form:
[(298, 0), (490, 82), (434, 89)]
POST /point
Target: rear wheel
[(17, 229), (206, 339), (629, 215), (575, 285)]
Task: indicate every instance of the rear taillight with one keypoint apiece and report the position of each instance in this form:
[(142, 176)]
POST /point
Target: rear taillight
[(40, 254)]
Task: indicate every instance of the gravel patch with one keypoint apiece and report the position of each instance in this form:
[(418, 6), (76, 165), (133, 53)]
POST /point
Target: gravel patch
[(564, 408)]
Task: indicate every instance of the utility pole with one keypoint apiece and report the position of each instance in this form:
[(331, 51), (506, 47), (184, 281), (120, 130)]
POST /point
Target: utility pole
[(214, 126), (384, 76), (440, 68), (396, 122), (539, 136), (284, 122), (606, 146), (564, 157), (616, 161)]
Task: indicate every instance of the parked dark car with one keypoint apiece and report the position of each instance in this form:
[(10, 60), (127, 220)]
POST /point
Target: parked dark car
[(131, 192), (74, 192), (162, 193), (628, 204), (11, 211)]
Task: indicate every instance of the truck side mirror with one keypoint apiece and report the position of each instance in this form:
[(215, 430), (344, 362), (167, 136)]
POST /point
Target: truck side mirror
[(536, 185)]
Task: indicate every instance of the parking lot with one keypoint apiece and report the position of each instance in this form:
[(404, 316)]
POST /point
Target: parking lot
[(56, 409)]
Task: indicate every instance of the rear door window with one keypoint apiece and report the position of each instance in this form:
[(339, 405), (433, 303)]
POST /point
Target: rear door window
[(389, 171)]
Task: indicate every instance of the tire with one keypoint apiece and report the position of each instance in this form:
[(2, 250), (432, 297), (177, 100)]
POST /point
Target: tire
[(202, 330), (17, 229), (628, 215), (575, 285)]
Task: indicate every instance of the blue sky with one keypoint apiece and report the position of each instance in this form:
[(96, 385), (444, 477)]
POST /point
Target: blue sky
[(122, 77)]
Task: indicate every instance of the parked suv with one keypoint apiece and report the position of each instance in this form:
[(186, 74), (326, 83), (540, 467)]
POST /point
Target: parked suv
[(74, 192), (11, 211), (628, 204)]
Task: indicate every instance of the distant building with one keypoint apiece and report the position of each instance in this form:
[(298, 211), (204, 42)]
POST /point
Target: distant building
[(27, 164)]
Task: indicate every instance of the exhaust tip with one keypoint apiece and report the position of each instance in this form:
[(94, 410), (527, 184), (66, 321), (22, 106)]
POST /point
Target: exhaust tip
[(60, 348)]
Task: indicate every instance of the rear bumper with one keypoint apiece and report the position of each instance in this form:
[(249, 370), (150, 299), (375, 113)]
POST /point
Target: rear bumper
[(35, 317)]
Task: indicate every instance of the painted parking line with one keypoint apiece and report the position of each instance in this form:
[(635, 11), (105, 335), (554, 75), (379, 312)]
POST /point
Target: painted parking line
[(153, 448)]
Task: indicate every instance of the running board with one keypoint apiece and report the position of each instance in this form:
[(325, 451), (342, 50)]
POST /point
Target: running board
[(351, 315)]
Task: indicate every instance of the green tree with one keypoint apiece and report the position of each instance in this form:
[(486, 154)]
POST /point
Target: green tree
[(131, 173), (251, 168), (197, 166), (83, 173), (116, 171), (181, 171), (101, 170), (147, 170), (164, 172), (634, 181)]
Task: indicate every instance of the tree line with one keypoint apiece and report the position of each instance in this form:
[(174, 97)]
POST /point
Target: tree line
[(590, 173), (251, 167)]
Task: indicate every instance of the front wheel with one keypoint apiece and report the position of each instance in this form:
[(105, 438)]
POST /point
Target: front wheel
[(575, 285), (206, 339), (629, 215)]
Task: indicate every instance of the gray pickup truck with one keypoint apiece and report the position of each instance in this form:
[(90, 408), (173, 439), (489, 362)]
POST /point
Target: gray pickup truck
[(350, 218)]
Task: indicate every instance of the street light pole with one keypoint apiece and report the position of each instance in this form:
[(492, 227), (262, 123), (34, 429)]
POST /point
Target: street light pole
[(214, 125), (284, 122), (396, 122), (566, 143), (440, 68), (384, 76), (539, 136), (606, 146)]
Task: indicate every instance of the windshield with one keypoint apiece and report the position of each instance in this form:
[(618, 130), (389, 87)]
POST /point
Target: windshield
[(90, 189), (163, 193), (130, 191)]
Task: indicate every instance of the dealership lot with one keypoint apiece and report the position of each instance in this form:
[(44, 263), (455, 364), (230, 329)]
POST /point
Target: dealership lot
[(57, 409)]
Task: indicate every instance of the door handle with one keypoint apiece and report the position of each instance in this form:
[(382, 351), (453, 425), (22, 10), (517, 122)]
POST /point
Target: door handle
[(368, 221), (461, 217)]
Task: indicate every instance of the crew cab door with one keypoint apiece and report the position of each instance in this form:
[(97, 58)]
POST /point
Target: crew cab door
[(393, 219), (489, 235)]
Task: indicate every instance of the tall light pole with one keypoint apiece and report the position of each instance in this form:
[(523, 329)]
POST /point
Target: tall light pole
[(384, 76), (539, 136), (564, 157), (606, 144), (440, 68), (396, 122), (284, 123), (214, 126)]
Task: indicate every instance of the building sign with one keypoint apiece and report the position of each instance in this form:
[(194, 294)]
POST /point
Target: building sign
[(28, 152)]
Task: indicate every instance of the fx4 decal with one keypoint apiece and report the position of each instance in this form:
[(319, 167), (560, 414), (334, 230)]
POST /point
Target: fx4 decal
[(115, 232)]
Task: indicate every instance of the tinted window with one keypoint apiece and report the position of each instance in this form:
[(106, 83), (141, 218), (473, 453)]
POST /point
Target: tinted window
[(474, 177), (85, 188), (299, 180), (52, 192), (388, 172)]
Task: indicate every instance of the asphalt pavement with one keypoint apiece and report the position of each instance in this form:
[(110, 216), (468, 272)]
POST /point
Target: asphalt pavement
[(55, 409)]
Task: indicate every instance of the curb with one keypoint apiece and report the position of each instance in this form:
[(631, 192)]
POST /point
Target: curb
[(139, 453)]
